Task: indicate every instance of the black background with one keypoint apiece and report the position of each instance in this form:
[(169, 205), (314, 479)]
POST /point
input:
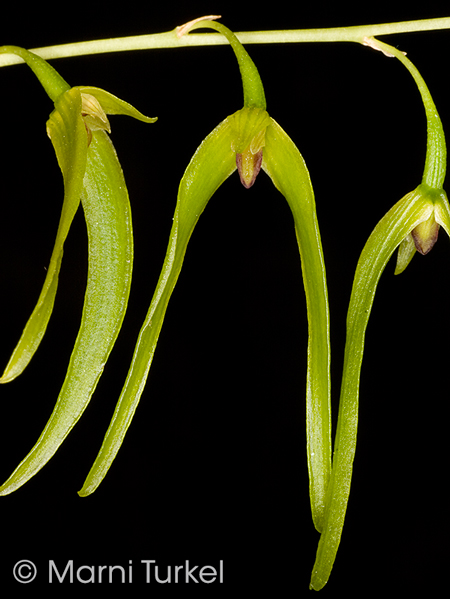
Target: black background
[(214, 463)]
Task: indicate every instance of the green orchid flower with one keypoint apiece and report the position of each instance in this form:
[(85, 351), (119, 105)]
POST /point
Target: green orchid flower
[(92, 173), (411, 225), (248, 141)]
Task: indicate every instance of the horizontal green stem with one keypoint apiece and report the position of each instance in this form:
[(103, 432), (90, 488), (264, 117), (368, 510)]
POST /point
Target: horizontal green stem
[(170, 39)]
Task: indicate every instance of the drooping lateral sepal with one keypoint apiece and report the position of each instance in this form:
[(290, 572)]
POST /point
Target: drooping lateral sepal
[(108, 219), (414, 208), (284, 164), (67, 133), (212, 163)]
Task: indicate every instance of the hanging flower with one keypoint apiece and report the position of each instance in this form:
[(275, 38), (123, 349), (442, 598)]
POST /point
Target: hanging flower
[(413, 224), (249, 140)]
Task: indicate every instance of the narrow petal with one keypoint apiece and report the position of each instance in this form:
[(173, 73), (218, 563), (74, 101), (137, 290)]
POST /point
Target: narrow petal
[(406, 252), (68, 135), (284, 164)]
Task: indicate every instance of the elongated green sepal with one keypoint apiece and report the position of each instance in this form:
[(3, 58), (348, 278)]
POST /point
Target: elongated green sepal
[(108, 218), (414, 208), (213, 162), (68, 135), (284, 164)]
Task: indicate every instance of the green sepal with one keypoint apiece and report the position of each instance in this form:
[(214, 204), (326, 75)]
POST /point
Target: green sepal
[(284, 164), (211, 165), (389, 233), (108, 218), (67, 132), (66, 128)]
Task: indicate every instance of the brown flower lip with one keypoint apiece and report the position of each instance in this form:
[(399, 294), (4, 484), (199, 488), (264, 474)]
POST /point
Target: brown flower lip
[(425, 235)]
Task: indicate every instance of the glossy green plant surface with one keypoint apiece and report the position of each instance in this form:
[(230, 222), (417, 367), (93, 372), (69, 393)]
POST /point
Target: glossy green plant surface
[(247, 140), (92, 173)]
